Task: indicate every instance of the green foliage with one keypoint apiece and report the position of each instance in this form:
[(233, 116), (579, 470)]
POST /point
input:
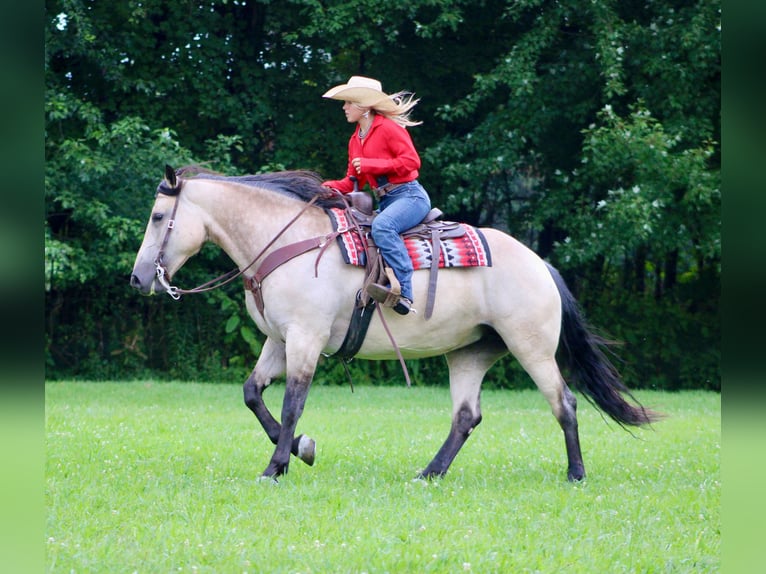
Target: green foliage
[(636, 188), (99, 188), (589, 130), (662, 345)]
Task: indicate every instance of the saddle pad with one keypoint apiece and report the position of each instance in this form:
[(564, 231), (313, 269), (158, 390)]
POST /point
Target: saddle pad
[(469, 250)]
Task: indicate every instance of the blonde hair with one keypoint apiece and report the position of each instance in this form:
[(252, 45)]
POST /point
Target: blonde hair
[(404, 102)]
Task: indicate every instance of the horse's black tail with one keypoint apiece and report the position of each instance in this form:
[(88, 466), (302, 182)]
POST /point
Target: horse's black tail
[(591, 371)]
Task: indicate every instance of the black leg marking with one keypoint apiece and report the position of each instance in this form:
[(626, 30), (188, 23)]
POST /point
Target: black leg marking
[(462, 426), (568, 421), (292, 408), (254, 401)]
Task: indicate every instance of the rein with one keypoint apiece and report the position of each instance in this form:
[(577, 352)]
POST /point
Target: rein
[(221, 280)]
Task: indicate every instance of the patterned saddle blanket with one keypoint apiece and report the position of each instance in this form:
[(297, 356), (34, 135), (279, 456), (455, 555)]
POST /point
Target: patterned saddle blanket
[(466, 248)]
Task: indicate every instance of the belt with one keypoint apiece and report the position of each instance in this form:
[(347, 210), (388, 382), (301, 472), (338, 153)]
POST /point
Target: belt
[(386, 189)]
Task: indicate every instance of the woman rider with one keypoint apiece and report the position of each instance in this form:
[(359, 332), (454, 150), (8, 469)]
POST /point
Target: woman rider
[(381, 154)]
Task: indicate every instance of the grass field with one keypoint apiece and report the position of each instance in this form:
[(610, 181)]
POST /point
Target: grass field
[(162, 477)]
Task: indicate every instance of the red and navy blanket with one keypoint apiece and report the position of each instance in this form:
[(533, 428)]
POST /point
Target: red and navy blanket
[(469, 250)]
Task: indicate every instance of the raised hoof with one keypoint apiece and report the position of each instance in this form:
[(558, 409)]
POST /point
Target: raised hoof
[(307, 450)]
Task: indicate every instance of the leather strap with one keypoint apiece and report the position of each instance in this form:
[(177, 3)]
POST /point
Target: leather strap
[(357, 329), (395, 346), (434, 273), (226, 278), (277, 258)]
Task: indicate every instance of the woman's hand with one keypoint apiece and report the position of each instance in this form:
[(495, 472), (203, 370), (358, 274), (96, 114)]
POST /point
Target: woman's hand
[(329, 193), (357, 163)]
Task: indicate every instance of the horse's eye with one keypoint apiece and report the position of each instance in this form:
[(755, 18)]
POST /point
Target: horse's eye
[(157, 216)]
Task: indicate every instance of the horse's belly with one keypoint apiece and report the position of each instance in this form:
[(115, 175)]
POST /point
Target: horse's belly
[(415, 340)]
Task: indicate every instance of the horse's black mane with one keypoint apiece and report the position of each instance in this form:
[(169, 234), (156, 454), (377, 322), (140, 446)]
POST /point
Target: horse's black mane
[(300, 184)]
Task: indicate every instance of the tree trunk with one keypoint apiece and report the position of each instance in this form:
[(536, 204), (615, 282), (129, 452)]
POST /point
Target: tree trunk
[(639, 270)]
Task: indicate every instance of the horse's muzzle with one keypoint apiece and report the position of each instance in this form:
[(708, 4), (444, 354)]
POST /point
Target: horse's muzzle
[(144, 287), (143, 277)]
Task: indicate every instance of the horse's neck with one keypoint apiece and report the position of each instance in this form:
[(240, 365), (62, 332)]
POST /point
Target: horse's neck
[(243, 221)]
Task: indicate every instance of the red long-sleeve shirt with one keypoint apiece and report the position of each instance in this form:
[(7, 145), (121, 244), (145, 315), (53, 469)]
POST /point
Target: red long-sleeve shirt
[(386, 150)]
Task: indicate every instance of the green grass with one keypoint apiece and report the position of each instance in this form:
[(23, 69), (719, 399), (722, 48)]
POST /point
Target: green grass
[(162, 477)]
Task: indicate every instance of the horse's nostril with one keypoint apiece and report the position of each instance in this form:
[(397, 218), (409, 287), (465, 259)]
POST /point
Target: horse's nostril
[(135, 282)]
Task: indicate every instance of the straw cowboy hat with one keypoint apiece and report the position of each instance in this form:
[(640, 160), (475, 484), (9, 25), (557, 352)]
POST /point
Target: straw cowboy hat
[(365, 92)]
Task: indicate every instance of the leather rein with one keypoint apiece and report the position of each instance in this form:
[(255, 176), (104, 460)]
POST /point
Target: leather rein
[(221, 280)]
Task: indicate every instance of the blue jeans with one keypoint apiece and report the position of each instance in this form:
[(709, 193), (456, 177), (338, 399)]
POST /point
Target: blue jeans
[(400, 210)]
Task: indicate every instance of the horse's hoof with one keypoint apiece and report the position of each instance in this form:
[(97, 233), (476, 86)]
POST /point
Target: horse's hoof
[(430, 475), (271, 480), (307, 450), (275, 470), (576, 475)]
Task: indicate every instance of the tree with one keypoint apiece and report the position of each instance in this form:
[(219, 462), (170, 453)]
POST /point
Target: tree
[(541, 117), (566, 62)]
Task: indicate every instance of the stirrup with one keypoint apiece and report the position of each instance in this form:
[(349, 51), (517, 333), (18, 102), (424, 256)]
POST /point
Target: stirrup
[(383, 295), (389, 298)]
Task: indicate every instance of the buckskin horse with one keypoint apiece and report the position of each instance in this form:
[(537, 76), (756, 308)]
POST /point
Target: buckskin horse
[(518, 304)]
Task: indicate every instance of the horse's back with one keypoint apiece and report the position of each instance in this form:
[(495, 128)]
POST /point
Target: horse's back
[(522, 301), (516, 297), (518, 263), (517, 283)]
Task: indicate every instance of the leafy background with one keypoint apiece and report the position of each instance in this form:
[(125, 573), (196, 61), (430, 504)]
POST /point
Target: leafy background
[(590, 131)]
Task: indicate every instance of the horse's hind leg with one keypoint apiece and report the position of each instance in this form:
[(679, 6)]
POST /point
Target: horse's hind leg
[(568, 421), (467, 368), (270, 365), (548, 379)]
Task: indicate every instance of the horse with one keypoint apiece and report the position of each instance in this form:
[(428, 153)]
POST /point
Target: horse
[(519, 304)]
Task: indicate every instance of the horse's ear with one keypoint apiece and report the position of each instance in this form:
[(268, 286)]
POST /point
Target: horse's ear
[(170, 177)]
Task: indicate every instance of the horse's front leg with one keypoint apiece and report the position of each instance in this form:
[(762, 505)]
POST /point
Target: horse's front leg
[(302, 353), (296, 392), (270, 365)]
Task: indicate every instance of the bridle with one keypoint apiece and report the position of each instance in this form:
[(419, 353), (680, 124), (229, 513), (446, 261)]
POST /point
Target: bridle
[(221, 280), (160, 268)]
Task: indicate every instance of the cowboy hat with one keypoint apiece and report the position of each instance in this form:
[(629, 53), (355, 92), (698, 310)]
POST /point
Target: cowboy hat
[(365, 92)]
